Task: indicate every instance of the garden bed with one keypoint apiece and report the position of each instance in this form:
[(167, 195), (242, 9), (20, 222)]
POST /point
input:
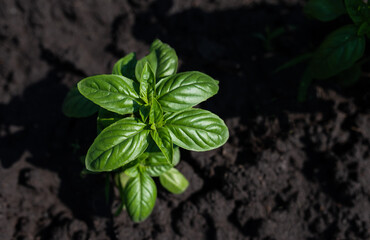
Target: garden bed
[(290, 170)]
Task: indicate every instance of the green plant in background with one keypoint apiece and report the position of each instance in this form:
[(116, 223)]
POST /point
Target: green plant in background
[(339, 55), (269, 36), (145, 113)]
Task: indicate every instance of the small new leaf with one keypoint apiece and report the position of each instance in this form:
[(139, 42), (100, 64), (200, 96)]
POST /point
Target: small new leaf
[(156, 113), (77, 106), (185, 90), (162, 138), (197, 129), (116, 145), (174, 181), (150, 59), (139, 196), (147, 83), (112, 92), (126, 66)]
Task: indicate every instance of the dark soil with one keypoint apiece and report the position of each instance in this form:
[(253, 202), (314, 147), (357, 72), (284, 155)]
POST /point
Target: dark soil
[(289, 170)]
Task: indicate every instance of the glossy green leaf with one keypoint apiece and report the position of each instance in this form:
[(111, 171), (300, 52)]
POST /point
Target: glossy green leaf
[(176, 156), (156, 163), (185, 90), (339, 51), (174, 181), (139, 196), (358, 10), (77, 106), (166, 58), (156, 113), (112, 92), (197, 129), (162, 138), (106, 118), (116, 145), (133, 163), (147, 83), (126, 66), (325, 10), (150, 59), (132, 172)]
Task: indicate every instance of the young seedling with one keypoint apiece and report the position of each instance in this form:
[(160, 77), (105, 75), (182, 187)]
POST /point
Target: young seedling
[(145, 114), (269, 35), (339, 55)]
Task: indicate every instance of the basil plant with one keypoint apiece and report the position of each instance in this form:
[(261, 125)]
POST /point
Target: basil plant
[(145, 113), (341, 54)]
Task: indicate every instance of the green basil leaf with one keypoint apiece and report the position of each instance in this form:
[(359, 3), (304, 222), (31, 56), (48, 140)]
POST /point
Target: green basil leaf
[(132, 172), (197, 129), (121, 180), (185, 90), (150, 59), (77, 106), (106, 118), (156, 112), (339, 51), (112, 92), (162, 138), (139, 196), (364, 29), (174, 181), (147, 83), (126, 66), (116, 145), (131, 164), (156, 163), (166, 58), (358, 10), (325, 10)]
